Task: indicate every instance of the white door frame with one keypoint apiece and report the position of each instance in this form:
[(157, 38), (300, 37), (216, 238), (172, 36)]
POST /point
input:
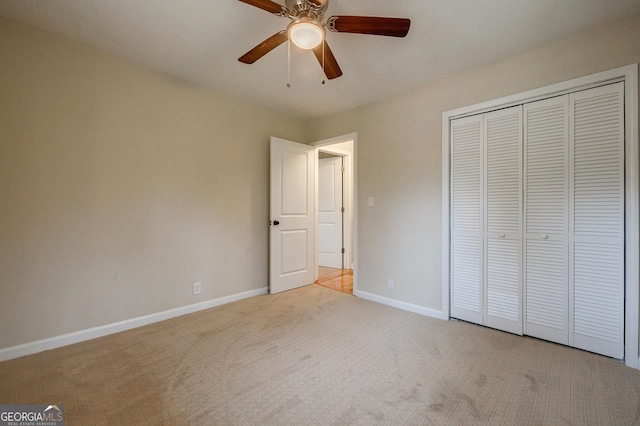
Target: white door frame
[(628, 74), (350, 195)]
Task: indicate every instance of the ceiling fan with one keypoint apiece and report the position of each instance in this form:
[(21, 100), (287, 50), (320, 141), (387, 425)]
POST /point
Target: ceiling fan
[(307, 30)]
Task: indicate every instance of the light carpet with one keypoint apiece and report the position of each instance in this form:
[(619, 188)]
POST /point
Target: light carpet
[(315, 356)]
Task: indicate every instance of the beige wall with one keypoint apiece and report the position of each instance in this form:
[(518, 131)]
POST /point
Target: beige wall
[(399, 154), (120, 187)]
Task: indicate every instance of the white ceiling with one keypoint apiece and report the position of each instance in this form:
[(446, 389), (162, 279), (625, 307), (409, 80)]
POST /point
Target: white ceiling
[(201, 40)]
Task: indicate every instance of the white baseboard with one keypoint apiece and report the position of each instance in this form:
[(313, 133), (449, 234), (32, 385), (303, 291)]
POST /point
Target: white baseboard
[(116, 327), (401, 305)]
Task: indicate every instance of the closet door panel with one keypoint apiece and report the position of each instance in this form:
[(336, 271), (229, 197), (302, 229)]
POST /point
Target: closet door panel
[(546, 291), (598, 299), (503, 285), (597, 221), (546, 219), (466, 276), (546, 139), (503, 140), (467, 219)]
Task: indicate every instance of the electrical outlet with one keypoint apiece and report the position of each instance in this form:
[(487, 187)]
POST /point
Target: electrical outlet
[(371, 202), (197, 288), (390, 284)]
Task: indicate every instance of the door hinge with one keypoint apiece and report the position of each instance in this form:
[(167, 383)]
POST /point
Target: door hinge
[(342, 169), (343, 251), (342, 210)]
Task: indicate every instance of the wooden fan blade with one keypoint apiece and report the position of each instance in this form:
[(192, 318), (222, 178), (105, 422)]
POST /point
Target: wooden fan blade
[(263, 48), (268, 5), (331, 68), (392, 27)]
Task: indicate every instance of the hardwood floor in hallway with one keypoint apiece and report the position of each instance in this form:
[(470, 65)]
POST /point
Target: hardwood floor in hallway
[(336, 279)]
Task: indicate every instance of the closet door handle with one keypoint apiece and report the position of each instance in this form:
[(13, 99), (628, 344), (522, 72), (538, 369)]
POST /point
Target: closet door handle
[(502, 235), (545, 236)]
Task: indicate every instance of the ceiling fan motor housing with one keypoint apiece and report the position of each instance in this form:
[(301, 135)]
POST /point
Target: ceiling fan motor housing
[(312, 9)]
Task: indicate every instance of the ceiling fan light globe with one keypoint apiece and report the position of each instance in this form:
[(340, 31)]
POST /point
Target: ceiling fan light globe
[(306, 35)]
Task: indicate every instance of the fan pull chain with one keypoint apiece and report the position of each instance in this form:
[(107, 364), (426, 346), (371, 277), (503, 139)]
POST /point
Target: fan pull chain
[(323, 70), (289, 63)]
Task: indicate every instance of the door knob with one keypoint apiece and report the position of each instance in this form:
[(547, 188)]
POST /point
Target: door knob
[(276, 222)]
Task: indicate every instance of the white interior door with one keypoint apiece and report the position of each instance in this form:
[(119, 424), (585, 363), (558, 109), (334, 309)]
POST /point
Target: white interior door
[(503, 230), (597, 220), (546, 186), (467, 219), (486, 219), (330, 212), (292, 229)]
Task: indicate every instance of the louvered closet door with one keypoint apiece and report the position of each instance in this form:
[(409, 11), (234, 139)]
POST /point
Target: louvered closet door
[(503, 136), (546, 197), (466, 219), (598, 220)]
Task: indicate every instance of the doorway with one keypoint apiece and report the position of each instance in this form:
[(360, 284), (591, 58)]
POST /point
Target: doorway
[(331, 211), (293, 224), (335, 213)]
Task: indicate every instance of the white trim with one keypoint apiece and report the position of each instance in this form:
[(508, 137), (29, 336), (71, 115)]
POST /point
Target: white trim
[(338, 139), (410, 307), (628, 74), (581, 83), (116, 327), (632, 219), (446, 216)]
